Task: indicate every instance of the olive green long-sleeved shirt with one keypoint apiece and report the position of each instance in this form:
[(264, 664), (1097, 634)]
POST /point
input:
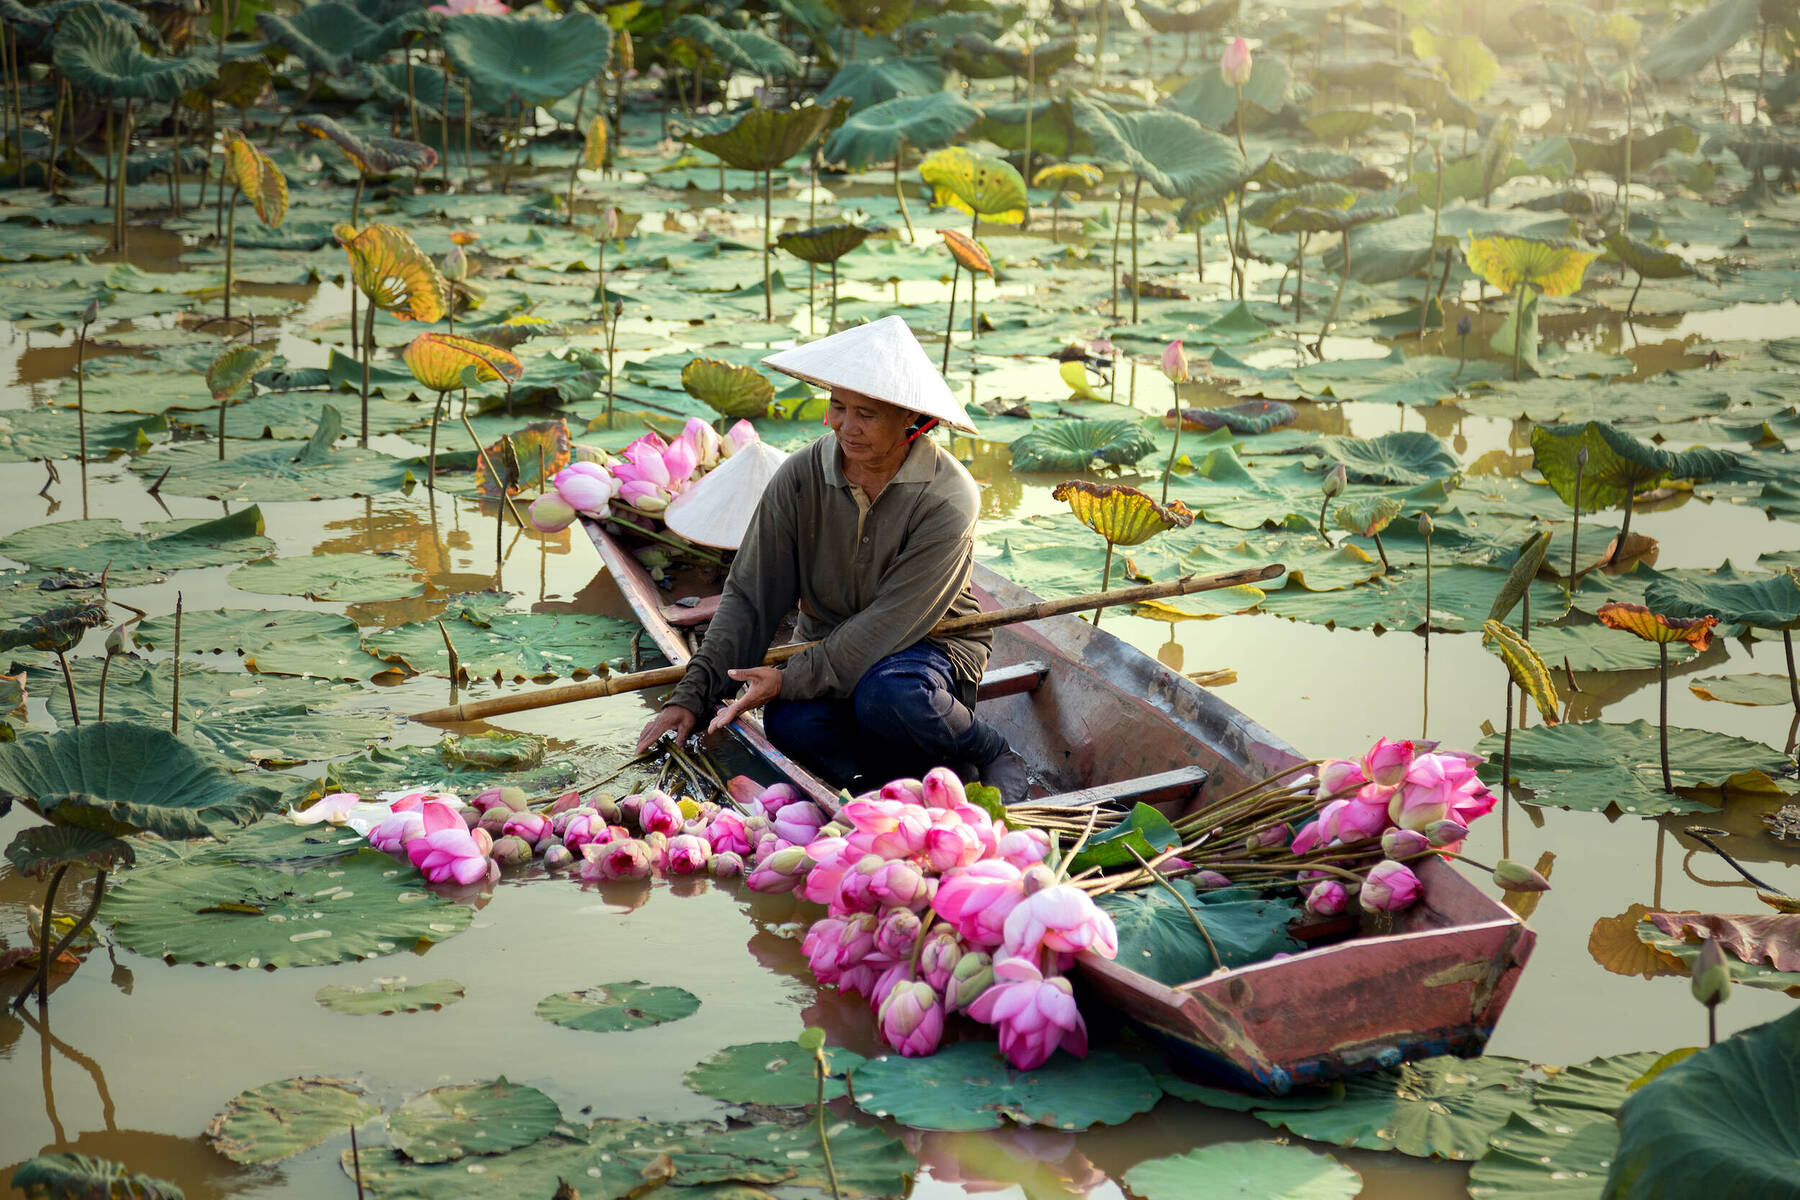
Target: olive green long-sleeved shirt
[(870, 577)]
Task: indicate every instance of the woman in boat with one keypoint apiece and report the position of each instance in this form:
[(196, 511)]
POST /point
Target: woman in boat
[(870, 532)]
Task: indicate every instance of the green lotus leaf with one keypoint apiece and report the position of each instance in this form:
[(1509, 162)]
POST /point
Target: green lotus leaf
[(30, 433), (1341, 125), (616, 1007), (1407, 457), (515, 645), (1595, 766), (1598, 1086), (373, 154), (449, 1123), (357, 907), (1618, 465), (1310, 564), (511, 60), (823, 243), (1597, 648), (1651, 262), (978, 56), (43, 848), (294, 415), (1157, 937), (272, 471), (989, 189), (1261, 1169), (1750, 690), (1076, 445), (388, 80), (1054, 130), (1461, 596), (140, 555), (117, 777), (1280, 212), (779, 1074), (329, 37), (386, 767), (278, 1120), (1684, 946), (1208, 99), (1246, 419), (1700, 39), (1438, 1108), (1469, 65), (1725, 1121), (1769, 602), (969, 1086), (873, 17), (79, 1175), (30, 593), (731, 391), (1367, 516), (1175, 154), (876, 133), (345, 578), (243, 630), (749, 50), (871, 81), (386, 997), (55, 630), (273, 841), (765, 138), (99, 55), (232, 371), (1546, 1154)]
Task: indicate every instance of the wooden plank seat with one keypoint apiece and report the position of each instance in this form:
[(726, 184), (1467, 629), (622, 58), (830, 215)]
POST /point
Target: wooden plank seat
[(1011, 681), (691, 611), (1160, 788)]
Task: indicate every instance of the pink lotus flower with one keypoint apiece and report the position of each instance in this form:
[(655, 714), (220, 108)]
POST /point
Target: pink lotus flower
[(658, 813), (831, 858), (951, 843), (1390, 887), (329, 808), (530, 826), (912, 1019), (1034, 1015), (775, 797), (1063, 919), (627, 858), (1327, 898), (1310, 837), (1023, 847), (1234, 65), (550, 513), (685, 855), (486, 8), (739, 436), (682, 459), (393, 832), (1361, 819), (580, 827), (727, 834), (823, 947), (1386, 762), (798, 822), (447, 851), (1175, 362), (1426, 793), (977, 899), (708, 446), (899, 884), (853, 892), (585, 487), (1340, 777)]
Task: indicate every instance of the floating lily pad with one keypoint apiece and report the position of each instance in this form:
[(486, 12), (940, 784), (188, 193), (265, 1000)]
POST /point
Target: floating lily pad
[(1547, 1154), (385, 997), (514, 645), (387, 767), (1594, 765), (969, 1086), (1768, 602), (272, 471), (342, 578), (1461, 597), (244, 630), (1077, 445), (276, 840), (1407, 458), (364, 906), (449, 1123), (117, 777), (1158, 939), (51, 433), (773, 1073), (1259, 1170), (616, 1007), (1597, 648), (1598, 1085), (278, 1120), (1744, 689), (141, 555), (1439, 1108)]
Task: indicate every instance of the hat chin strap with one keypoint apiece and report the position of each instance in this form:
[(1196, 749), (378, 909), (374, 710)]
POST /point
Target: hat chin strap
[(926, 424)]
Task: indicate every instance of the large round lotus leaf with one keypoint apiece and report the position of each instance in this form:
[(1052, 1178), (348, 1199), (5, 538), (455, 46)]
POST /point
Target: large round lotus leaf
[(278, 1120), (31, 433), (429, 766), (823, 243), (509, 59), (1700, 39), (1120, 514), (1075, 445), (1724, 1122), (82, 1175), (873, 81), (1547, 1154), (43, 848), (978, 56), (141, 555), (118, 777), (1309, 563), (1598, 1085), (1249, 418), (748, 50), (295, 414), (1306, 209), (1554, 266), (1439, 1108), (969, 1086), (1461, 597), (1054, 131), (990, 189), (100, 56), (448, 1123), (876, 133), (1157, 937), (1595, 765), (1173, 153), (363, 906), (764, 138), (731, 391), (329, 37), (1407, 458), (341, 578), (245, 630), (616, 1007), (1766, 602), (1744, 689), (385, 997), (514, 645), (1597, 648), (772, 1073), (1617, 465), (1254, 1170), (272, 471), (1652, 262), (273, 841)]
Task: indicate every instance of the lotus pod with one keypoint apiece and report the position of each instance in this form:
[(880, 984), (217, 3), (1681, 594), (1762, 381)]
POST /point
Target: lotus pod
[(731, 391), (1120, 514), (257, 177), (1527, 669)]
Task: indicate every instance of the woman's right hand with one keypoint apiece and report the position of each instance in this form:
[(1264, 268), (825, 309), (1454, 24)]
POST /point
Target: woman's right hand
[(672, 716)]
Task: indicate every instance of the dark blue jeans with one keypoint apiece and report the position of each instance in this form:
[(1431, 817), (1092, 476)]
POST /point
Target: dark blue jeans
[(904, 718)]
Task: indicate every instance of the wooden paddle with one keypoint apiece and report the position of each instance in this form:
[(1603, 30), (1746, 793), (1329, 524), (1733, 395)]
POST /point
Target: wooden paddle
[(637, 681)]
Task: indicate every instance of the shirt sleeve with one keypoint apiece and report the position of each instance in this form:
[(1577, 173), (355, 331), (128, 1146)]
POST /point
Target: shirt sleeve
[(915, 592), (761, 589)]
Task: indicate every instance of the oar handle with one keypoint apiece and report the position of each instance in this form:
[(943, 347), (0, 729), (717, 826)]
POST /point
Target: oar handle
[(637, 681)]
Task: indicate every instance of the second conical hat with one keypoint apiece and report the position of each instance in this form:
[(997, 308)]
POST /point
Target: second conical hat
[(715, 510), (881, 359)]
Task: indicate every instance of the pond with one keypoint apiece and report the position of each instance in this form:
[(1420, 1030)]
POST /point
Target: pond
[(134, 1056)]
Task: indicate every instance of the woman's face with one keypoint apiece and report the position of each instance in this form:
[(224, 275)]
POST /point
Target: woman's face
[(870, 432)]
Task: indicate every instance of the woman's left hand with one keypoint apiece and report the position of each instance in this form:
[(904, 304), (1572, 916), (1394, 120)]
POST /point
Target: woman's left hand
[(763, 684)]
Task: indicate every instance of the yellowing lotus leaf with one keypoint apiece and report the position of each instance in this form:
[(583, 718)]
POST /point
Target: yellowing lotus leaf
[(1552, 266), (394, 273), (593, 143), (983, 187), (440, 361), (1525, 666), (1122, 515), (1654, 627), (1068, 175), (1368, 516), (968, 253), (257, 177)]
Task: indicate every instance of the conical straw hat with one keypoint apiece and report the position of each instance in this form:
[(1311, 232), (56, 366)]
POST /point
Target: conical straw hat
[(881, 359), (716, 510)]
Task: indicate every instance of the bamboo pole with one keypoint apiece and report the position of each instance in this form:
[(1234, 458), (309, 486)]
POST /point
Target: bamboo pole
[(1187, 585)]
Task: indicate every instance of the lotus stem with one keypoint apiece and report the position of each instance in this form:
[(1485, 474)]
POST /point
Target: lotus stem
[(819, 1118), (81, 392), (106, 196), (119, 194), (1625, 528), (768, 224), (1163, 881), (1343, 278), (1300, 275), (1137, 282), (356, 201), (1427, 616), (69, 682), (481, 453), (1506, 746), (355, 321), (831, 324), (62, 94), (1175, 448), (175, 672), (1787, 646), (231, 263), (1662, 711), (1118, 227), (431, 455), (1518, 328), (1105, 579), (1575, 536), (467, 120), (1431, 249), (1382, 550), (41, 978), (368, 349), (444, 123), (950, 323), (569, 201), (1462, 356), (1323, 509)]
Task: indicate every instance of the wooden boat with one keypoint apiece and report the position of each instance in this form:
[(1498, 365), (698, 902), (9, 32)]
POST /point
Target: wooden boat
[(1099, 720)]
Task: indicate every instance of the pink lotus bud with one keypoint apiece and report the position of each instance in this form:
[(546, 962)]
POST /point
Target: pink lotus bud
[(1310, 837), (726, 865), (972, 975), (1210, 880), (685, 855), (1175, 362), (658, 813), (609, 222), (484, 842), (1269, 837), (822, 946), (939, 955), (977, 899), (726, 832), (1234, 65), (550, 513), (1386, 762), (1446, 834), (1358, 821), (737, 437), (557, 856), (1036, 878), (896, 933), (743, 791), (1334, 481), (608, 809), (628, 858), (769, 881), (1327, 898), (482, 801), (1390, 887), (775, 797), (1340, 777), (899, 884), (943, 788), (798, 822), (512, 850), (1023, 847), (527, 825), (1404, 843), (912, 1019), (1425, 794), (564, 802), (494, 819), (583, 827), (656, 841), (1517, 877)]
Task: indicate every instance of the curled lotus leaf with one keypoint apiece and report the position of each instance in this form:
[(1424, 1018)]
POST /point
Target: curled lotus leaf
[(1618, 464), (1367, 516), (257, 177), (393, 272), (1305, 209), (1524, 665), (1122, 515), (82, 1175), (748, 50), (442, 361), (968, 253), (44, 848), (231, 372), (1075, 445), (1507, 261), (1766, 602), (513, 59), (101, 55), (1068, 175), (764, 138), (593, 143), (538, 451), (987, 188), (980, 57), (729, 390), (373, 155), (876, 133), (1655, 627), (1248, 418), (1652, 262), (823, 243), (56, 629)]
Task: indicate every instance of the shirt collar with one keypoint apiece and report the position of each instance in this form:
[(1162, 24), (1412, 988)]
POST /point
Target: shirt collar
[(920, 465)]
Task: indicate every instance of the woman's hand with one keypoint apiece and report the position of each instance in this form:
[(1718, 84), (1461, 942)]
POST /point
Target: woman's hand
[(672, 716), (763, 684)]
